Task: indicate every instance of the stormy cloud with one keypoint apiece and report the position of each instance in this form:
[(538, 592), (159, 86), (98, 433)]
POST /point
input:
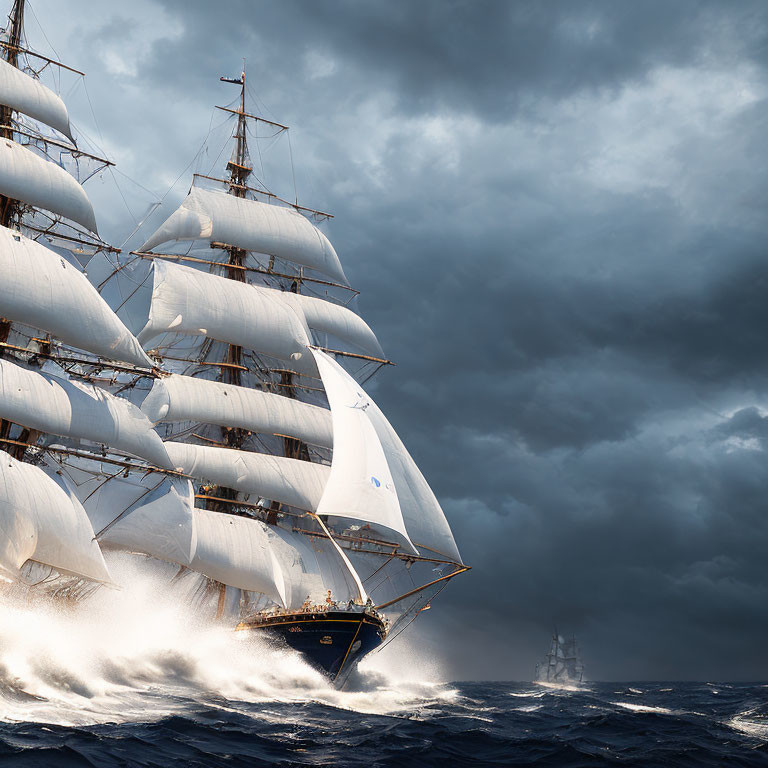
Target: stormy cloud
[(556, 214)]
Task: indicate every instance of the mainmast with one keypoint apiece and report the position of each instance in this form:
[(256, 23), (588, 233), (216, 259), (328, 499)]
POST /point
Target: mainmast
[(239, 172)]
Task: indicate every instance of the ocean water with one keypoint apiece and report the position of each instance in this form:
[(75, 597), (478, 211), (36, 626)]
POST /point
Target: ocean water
[(131, 679)]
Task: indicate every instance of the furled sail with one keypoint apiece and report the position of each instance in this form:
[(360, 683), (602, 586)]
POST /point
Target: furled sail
[(290, 481), (252, 226), (39, 288), (360, 484), (236, 551), (186, 398), (40, 521), (27, 177), (342, 322), (24, 93), (188, 301), (59, 406)]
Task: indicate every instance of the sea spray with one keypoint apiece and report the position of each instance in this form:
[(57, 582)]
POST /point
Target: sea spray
[(139, 653)]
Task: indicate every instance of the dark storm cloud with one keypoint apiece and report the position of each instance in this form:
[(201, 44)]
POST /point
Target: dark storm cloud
[(556, 215), (484, 55)]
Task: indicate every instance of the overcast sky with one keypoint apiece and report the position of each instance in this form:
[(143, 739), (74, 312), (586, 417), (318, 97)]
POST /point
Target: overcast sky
[(556, 214)]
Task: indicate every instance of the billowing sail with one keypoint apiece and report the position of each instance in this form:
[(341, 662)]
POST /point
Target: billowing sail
[(236, 551), (59, 406), (326, 317), (24, 93), (151, 514), (290, 481), (251, 225), (424, 518), (27, 177), (40, 521), (185, 398), (360, 484), (186, 300), (39, 288), (311, 566)]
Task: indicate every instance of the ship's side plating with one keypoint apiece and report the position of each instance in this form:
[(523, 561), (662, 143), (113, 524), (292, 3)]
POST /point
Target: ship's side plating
[(333, 641)]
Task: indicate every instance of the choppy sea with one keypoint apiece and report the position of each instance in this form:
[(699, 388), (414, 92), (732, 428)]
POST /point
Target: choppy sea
[(132, 680), (466, 724)]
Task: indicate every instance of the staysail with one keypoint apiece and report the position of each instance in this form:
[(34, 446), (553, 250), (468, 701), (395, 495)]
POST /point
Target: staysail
[(424, 518), (360, 484)]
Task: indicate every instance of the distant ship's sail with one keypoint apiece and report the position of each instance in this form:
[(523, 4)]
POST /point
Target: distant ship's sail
[(563, 664)]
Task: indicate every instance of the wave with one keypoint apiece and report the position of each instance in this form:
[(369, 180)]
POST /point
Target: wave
[(643, 708), (137, 654)]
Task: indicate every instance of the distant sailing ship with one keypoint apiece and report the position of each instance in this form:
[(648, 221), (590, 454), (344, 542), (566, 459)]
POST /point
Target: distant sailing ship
[(563, 666), (219, 435)]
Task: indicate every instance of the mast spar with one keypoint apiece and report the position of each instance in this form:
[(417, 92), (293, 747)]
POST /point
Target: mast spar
[(8, 206)]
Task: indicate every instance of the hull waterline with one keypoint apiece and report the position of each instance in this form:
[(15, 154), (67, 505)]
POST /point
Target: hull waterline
[(332, 641)]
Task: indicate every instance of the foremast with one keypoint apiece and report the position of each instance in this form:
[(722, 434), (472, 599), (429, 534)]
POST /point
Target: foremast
[(43, 345)]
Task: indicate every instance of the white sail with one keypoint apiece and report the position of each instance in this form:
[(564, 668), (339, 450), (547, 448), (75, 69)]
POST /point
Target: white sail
[(39, 288), (186, 398), (40, 521), (290, 481), (24, 93), (27, 177), (424, 518), (252, 226), (342, 322), (188, 301), (236, 551), (311, 566), (360, 484), (58, 406), (151, 514)]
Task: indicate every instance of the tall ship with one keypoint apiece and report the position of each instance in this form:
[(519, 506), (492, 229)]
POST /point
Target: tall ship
[(563, 666), (197, 404)]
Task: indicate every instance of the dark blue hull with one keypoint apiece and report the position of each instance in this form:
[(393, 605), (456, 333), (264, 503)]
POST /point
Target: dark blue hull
[(332, 641)]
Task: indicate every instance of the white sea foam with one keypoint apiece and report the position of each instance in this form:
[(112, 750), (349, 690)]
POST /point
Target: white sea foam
[(745, 722), (642, 708), (139, 654)]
